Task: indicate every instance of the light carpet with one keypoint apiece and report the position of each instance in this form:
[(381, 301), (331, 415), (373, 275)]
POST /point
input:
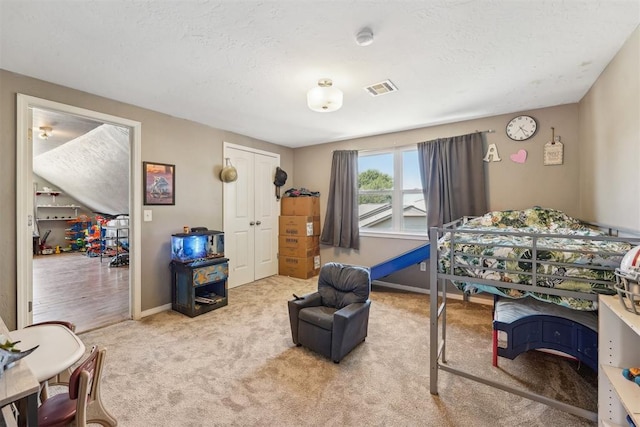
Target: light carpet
[(237, 366)]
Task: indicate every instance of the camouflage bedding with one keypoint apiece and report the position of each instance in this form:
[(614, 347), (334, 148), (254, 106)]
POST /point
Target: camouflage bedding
[(506, 257)]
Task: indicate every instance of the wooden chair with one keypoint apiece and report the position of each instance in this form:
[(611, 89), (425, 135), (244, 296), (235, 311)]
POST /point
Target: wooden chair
[(69, 325), (82, 403)]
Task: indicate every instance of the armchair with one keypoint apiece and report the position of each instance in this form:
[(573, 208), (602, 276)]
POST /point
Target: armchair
[(335, 319)]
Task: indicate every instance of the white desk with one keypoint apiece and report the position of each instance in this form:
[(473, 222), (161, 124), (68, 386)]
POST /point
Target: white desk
[(19, 382), (59, 349)]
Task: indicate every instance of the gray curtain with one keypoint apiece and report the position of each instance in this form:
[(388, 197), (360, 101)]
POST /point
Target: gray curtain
[(341, 221), (453, 178)]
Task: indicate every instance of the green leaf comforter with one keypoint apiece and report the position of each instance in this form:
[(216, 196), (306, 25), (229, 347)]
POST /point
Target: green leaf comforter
[(505, 258)]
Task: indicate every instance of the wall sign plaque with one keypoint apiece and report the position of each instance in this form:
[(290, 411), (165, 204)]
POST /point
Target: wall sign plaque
[(553, 152)]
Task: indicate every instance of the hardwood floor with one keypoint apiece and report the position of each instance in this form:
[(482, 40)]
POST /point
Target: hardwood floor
[(81, 289)]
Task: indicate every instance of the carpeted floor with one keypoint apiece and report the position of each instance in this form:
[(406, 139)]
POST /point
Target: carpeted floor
[(237, 366)]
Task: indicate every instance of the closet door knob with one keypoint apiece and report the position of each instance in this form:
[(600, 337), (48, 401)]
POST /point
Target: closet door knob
[(258, 223), (252, 223)]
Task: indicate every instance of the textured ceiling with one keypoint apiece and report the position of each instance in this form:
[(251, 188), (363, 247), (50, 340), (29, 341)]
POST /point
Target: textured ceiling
[(64, 128), (245, 66), (93, 169)]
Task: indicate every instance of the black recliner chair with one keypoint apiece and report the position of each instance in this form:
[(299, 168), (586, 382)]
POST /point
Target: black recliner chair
[(335, 319)]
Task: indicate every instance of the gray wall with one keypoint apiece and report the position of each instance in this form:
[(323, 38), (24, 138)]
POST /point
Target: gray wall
[(195, 149), (610, 140)]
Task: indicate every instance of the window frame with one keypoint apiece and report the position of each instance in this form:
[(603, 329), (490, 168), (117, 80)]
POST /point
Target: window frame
[(397, 192)]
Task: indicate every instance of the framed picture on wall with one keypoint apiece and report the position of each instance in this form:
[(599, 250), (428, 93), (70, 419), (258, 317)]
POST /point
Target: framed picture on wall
[(159, 183)]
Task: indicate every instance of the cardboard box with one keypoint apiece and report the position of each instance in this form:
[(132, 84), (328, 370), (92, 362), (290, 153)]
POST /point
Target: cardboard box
[(299, 226), (299, 246), (299, 252), (302, 268), (285, 241), (304, 205)]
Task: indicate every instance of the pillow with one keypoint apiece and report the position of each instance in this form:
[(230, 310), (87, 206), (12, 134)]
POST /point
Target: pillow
[(502, 219), (552, 218), (536, 218)]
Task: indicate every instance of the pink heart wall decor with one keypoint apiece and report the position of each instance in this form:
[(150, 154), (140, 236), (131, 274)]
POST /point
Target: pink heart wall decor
[(519, 157)]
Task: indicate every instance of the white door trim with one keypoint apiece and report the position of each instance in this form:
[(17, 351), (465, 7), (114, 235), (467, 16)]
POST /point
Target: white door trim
[(248, 149), (24, 201)]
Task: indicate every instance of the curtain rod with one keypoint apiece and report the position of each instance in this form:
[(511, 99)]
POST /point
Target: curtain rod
[(408, 145), (477, 131)]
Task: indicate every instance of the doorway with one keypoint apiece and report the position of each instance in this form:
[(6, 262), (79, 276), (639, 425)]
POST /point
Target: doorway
[(251, 213), (80, 181), (25, 200)]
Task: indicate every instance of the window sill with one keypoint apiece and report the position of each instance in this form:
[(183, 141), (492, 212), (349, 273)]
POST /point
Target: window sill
[(394, 235)]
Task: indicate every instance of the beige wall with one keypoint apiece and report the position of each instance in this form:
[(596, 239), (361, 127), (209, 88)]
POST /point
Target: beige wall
[(511, 185), (609, 117), (195, 149)]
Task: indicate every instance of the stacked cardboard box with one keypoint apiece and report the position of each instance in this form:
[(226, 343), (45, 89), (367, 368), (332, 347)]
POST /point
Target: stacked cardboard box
[(299, 239)]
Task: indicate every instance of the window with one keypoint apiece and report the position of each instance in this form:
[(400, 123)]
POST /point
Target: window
[(390, 195)]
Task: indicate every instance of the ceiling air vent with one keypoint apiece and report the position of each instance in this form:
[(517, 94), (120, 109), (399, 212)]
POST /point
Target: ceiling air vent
[(381, 88)]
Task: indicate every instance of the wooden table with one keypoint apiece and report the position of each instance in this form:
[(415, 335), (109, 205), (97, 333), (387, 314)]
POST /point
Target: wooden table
[(19, 382)]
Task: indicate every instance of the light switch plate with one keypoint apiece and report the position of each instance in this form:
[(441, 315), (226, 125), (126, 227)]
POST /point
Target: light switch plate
[(148, 215)]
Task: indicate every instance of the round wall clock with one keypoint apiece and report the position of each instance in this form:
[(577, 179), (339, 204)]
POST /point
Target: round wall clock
[(521, 128)]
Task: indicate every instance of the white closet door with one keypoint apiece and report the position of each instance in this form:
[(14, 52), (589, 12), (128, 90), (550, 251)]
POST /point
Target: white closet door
[(251, 216), (266, 217), (239, 208)]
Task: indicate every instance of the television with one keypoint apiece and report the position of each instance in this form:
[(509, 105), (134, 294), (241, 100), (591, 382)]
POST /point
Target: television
[(187, 247)]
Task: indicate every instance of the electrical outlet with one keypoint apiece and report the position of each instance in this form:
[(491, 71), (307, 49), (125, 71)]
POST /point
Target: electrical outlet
[(423, 266)]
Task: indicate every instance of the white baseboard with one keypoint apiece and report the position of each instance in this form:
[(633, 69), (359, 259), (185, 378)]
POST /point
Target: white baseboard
[(156, 310), (470, 298)]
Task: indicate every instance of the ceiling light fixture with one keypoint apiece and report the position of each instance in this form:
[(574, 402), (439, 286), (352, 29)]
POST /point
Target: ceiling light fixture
[(324, 98), (45, 132), (364, 37)]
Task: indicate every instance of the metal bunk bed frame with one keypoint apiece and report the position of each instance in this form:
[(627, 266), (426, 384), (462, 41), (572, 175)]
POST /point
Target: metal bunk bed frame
[(438, 310)]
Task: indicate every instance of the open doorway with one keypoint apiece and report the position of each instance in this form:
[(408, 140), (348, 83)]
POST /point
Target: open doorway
[(81, 211), (28, 109)]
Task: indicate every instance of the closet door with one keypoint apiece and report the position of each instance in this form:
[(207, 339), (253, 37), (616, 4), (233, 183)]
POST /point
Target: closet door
[(251, 216), (266, 213), (238, 213)]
